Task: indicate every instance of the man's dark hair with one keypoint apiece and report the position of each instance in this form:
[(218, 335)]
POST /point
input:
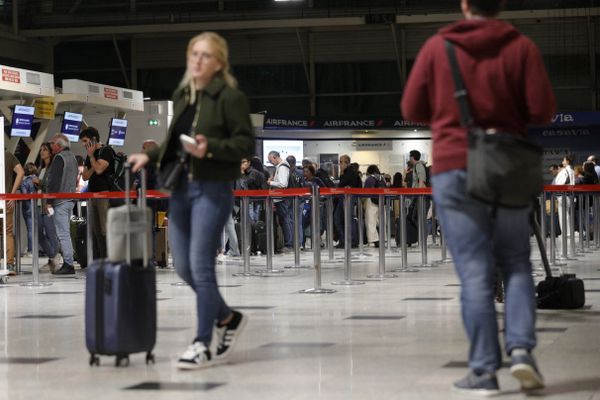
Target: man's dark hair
[(486, 8), (91, 133), (291, 160), (355, 167), (416, 154), (373, 169)]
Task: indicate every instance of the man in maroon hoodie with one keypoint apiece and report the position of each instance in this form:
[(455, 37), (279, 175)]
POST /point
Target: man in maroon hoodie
[(508, 89)]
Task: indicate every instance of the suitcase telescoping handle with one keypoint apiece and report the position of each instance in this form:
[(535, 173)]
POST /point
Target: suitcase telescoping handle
[(141, 204), (540, 241)]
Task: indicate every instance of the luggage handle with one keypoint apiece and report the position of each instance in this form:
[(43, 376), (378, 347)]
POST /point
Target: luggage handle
[(540, 242), (142, 205)]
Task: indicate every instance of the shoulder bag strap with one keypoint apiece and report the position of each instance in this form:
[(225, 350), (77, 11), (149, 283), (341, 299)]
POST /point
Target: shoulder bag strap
[(460, 92)]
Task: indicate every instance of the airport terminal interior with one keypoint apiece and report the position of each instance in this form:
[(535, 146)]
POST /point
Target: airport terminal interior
[(324, 79)]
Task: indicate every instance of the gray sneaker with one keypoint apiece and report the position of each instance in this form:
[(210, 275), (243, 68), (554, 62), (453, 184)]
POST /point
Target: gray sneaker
[(524, 368), (484, 384)]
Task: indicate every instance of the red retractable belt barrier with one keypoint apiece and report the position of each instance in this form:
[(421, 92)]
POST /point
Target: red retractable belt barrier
[(280, 193)]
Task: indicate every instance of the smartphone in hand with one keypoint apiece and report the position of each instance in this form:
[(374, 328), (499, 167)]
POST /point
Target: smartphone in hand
[(186, 139)]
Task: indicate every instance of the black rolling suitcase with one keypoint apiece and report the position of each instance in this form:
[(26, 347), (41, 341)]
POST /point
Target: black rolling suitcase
[(562, 292), (79, 239), (120, 302)]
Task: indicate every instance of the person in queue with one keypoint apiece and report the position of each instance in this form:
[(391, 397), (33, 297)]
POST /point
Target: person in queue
[(13, 176), (46, 231), (97, 167), (508, 89), (210, 108), (62, 178)]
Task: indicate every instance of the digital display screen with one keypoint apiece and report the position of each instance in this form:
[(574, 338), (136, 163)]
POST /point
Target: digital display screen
[(22, 121), (284, 148), (71, 125), (118, 129)]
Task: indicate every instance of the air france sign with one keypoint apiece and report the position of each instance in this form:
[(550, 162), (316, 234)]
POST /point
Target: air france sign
[(275, 123)]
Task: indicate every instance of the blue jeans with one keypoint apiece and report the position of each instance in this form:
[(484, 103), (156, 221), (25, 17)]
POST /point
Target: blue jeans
[(62, 224), (229, 235), (480, 244), (26, 210), (283, 209), (197, 215), (47, 234), (254, 211)]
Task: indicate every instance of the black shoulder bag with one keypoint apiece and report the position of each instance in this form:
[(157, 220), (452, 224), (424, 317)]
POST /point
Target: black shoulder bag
[(170, 174), (503, 169)]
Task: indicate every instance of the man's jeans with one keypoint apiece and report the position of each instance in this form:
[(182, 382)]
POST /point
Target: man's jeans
[(47, 234), (480, 244), (62, 224), (229, 235), (197, 215), (283, 209)]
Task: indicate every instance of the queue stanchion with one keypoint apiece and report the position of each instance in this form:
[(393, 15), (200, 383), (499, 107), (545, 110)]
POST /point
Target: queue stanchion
[(572, 250), (581, 242), (245, 238), (596, 220), (381, 274), (404, 245), (586, 218), (35, 251), (17, 235), (444, 250), (270, 239), (387, 226), (361, 234), (315, 226), (361, 231), (423, 233), (329, 207), (348, 281), (553, 261), (297, 227), (330, 248), (564, 229), (88, 231)]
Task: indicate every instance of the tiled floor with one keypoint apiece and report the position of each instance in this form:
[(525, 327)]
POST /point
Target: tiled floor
[(400, 338)]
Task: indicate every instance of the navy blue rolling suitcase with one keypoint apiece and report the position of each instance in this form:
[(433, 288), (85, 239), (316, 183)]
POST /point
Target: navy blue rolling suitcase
[(120, 311), (120, 303)]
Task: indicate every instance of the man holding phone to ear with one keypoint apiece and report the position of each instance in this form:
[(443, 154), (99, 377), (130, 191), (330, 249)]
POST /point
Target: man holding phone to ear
[(96, 171)]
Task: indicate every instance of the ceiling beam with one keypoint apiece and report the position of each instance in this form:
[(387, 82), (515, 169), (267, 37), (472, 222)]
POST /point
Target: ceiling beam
[(292, 23)]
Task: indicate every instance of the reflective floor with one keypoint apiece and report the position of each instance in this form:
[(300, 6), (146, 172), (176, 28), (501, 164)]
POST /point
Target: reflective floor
[(399, 338)]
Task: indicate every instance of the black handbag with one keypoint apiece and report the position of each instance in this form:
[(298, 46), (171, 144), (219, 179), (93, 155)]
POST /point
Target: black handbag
[(503, 169), (171, 174)]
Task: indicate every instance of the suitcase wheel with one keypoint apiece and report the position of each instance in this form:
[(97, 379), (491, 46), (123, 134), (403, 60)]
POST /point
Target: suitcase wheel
[(122, 361), (94, 360), (149, 358)]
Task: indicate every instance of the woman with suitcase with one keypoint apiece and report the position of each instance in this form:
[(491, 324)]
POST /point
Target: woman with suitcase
[(200, 158)]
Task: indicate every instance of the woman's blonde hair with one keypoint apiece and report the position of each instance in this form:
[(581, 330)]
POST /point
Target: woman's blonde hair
[(221, 52)]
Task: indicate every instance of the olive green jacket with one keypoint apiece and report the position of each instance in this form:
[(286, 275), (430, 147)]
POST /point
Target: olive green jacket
[(223, 117)]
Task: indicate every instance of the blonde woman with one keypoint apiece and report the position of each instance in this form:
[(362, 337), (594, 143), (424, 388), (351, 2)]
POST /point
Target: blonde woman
[(215, 114)]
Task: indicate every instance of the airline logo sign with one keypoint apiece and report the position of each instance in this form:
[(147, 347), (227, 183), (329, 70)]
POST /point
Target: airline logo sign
[(327, 123), (110, 93), (11, 75)]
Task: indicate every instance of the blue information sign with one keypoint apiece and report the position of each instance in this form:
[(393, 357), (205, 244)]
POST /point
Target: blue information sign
[(118, 129), (22, 121), (71, 125)]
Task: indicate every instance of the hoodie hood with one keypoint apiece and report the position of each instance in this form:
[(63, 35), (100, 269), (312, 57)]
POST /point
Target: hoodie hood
[(480, 36)]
